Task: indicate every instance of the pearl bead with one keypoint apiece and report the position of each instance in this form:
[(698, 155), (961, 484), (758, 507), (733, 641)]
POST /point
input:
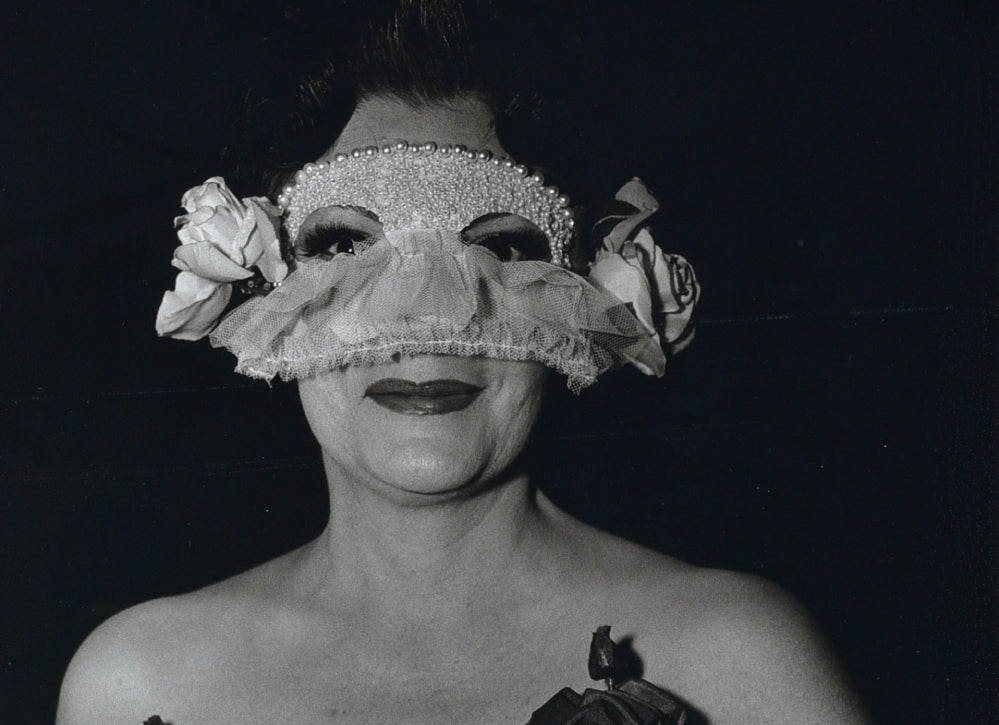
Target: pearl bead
[(445, 149), (401, 146), (357, 153), (341, 157), (536, 178), (460, 148), (370, 150), (520, 169), (387, 149), (309, 168), (563, 200), (484, 155), (551, 190), (430, 147)]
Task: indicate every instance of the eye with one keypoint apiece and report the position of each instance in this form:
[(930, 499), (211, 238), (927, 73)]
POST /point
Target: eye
[(336, 230), (510, 237), (328, 240)]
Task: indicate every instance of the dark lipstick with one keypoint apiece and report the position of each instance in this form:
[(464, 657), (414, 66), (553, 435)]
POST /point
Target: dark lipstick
[(434, 397)]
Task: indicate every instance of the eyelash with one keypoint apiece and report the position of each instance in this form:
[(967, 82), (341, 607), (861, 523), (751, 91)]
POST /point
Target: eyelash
[(331, 238), (503, 244), (328, 240)]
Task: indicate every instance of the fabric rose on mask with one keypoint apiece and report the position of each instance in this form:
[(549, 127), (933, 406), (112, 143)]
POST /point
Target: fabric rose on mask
[(661, 289), (223, 240)]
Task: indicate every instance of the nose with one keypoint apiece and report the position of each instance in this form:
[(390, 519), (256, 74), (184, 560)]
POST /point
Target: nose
[(429, 281), (425, 241)]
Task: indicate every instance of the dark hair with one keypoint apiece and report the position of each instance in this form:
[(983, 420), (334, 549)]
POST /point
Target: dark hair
[(318, 60)]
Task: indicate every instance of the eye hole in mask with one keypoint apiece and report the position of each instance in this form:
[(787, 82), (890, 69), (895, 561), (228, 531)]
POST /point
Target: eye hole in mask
[(510, 237), (335, 230)]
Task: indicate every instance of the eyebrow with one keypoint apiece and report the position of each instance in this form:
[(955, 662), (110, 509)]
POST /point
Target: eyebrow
[(362, 210), (492, 216), (351, 207), (522, 225)]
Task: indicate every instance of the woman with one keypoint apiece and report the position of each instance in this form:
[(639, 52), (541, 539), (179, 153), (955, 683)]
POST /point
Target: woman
[(421, 293)]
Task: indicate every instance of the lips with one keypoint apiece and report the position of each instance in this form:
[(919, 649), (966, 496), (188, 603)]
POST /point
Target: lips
[(434, 397)]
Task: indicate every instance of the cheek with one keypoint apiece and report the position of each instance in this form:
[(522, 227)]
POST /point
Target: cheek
[(516, 408), (324, 401)]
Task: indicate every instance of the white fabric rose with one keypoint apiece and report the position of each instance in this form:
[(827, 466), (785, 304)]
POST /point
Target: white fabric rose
[(191, 309), (660, 289), (223, 240)]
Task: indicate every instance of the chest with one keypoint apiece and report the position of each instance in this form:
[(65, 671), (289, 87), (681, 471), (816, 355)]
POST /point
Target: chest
[(324, 679)]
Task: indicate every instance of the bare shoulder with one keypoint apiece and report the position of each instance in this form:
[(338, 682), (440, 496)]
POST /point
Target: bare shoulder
[(117, 674), (737, 647), (743, 649), (154, 655)]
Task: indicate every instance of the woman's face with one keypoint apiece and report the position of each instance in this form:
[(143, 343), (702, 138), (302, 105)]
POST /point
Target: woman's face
[(428, 426)]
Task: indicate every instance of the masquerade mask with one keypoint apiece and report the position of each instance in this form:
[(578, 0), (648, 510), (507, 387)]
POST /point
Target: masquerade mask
[(429, 187), (405, 250)]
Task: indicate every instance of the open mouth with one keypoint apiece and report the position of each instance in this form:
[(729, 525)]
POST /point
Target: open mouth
[(434, 397)]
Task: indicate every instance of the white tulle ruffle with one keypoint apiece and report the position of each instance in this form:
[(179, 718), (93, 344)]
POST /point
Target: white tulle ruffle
[(371, 307)]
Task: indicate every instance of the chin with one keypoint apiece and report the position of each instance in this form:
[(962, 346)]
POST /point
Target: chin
[(432, 467)]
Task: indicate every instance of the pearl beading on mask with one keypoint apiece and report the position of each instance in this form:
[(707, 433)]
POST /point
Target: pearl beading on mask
[(430, 186)]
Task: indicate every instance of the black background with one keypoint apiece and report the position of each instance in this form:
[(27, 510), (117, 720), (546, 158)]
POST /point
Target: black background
[(828, 168)]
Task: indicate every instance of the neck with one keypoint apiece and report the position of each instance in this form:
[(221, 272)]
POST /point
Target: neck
[(422, 556)]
